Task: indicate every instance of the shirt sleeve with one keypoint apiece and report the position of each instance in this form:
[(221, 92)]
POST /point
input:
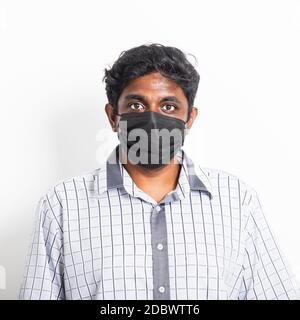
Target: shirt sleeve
[(266, 272), (43, 276)]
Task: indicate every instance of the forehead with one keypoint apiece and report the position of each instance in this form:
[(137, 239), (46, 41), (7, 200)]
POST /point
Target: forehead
[(153, 84)]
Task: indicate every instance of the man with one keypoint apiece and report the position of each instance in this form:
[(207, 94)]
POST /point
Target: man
[(150, 223)]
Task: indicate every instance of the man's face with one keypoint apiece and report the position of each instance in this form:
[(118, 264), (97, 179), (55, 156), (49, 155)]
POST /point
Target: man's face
[(153, 92)]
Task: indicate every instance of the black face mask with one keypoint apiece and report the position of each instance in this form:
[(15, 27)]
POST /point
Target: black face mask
[(150, 139)]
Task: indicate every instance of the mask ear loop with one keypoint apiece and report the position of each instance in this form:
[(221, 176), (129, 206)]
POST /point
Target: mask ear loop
[(188, 119), (118, 114)]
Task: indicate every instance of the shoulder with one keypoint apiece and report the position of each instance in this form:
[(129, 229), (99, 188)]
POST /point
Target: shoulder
[(232, 192), (71, 187), (228, 184)]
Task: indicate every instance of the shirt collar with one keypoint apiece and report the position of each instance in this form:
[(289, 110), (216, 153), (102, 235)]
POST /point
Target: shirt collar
[(112, 175)]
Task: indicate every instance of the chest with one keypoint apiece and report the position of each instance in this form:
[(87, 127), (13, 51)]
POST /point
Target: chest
[(109, 247)]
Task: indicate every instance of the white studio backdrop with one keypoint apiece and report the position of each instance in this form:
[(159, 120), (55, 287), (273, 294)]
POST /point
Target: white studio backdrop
[(52, 120)]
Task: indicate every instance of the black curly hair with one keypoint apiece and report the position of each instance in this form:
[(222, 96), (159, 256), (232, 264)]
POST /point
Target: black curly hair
[(138, 61)]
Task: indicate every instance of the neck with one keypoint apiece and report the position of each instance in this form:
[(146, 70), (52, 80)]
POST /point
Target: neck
[(156, 182)]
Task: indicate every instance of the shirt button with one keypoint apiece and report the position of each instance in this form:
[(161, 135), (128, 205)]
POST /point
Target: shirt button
[(158, 208), (160, 246), (161, 289)]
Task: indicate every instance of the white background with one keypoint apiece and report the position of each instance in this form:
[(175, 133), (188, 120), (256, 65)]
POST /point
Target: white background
[(52, 121)]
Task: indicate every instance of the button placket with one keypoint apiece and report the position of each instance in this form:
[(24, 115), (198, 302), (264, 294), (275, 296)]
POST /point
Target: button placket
[(161, 286)]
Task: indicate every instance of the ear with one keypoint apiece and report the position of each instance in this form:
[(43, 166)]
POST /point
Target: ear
[(112, 118), (193, 116)]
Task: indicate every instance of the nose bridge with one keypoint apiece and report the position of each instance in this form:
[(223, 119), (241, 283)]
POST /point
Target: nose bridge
[(153, 104), (153, 119)]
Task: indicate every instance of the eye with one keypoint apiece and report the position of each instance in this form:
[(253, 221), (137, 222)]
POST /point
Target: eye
[(168, 107), (136, 106)]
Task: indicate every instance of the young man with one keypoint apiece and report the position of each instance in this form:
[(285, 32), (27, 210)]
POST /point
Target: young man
[(150, 223)]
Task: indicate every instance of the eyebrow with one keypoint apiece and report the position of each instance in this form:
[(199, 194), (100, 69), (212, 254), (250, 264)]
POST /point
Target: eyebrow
[(143, 98)]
